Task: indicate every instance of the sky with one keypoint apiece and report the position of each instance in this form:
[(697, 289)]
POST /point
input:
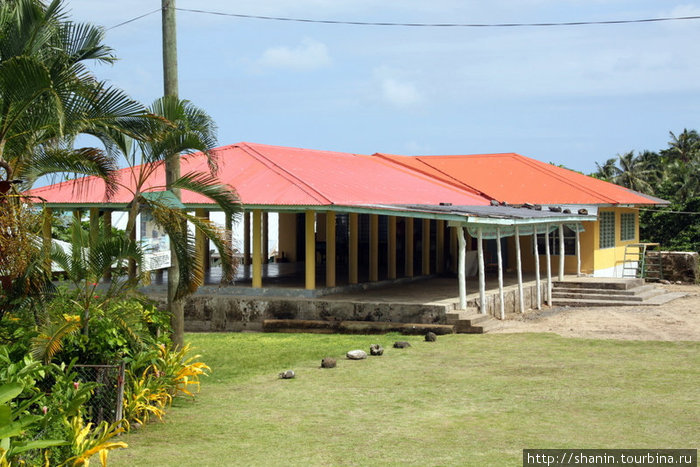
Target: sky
[(567, 95)]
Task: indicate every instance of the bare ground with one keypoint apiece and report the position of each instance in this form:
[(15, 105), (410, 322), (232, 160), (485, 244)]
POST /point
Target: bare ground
[(678, 320)]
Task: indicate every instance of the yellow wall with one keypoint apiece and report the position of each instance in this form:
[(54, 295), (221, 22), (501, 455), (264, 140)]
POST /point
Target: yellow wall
[(606, 258), (288, 235)]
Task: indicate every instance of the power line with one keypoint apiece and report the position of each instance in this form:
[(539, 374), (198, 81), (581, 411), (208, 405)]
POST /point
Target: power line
[(663, 211), (419, 25)]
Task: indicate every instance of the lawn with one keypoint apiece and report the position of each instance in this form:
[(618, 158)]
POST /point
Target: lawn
[(463, 400)]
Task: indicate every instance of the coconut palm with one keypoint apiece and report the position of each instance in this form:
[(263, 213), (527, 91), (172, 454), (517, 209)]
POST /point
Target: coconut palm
[(47, 95), (633, 174), (608, 171), (684, 147)]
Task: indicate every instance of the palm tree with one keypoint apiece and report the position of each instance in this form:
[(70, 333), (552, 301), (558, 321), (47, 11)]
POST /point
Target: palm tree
[(181, 128), (47, 95), (608, 171), (684, 147), (633, 174)]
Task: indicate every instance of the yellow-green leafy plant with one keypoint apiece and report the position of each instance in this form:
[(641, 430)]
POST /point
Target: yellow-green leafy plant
[(88, 441)]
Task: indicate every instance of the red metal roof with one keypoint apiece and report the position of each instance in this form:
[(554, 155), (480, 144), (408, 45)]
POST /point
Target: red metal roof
[(274, 175), (517, 179)]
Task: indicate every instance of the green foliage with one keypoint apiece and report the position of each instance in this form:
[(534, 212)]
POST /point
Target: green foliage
[(672, 174)]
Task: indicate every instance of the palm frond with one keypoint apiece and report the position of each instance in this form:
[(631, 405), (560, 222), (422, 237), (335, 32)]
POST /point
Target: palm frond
[(50, 339), (207, 185)]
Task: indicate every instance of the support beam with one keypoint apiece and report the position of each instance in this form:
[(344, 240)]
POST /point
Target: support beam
[(482, 272), (549, 265), (409, 246), (257, 248), (200, 245), (561, 252), (330, 249), (440, 247), (265, 238), (519, 265), (353, 241), (461, 267), (578, 250), (500, 274), (246, 239), (391, 248), (425, 241), (537, 269), (373, 247), (310, 257)]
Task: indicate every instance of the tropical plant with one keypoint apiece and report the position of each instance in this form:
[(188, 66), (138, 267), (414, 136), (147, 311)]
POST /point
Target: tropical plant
[(87, 441)]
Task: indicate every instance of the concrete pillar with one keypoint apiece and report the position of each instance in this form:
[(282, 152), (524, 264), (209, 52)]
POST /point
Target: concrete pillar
[(330, 249), (373, 247), (310, 257), (561, 252), (549, 265), (500, 273), (578, 250), (353, 242), (409, 246), (391, 248), (537, 269), (425, 240), (482, 272), (519, 266), (461, 267), (440, 247), (246, 238), (257, 248)]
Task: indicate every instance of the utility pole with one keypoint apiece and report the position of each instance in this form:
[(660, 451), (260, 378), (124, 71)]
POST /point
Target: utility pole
[(172, 165)]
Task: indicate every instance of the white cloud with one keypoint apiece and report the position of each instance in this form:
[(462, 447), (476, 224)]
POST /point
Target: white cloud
[(309, 55), (401, 94)]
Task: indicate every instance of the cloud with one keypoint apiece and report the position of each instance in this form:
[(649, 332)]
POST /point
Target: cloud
[(401, 94), (309, 55)]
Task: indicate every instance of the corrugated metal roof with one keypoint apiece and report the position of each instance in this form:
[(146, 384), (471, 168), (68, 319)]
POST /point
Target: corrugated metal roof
[(517, 179)]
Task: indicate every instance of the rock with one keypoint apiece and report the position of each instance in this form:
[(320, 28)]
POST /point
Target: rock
[(357, 355), (287, 374), (376, 349), (664, 281), (328, 362), (430, 337), (401, 344)]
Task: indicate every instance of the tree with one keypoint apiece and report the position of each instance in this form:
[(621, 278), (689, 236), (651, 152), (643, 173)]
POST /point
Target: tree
[(633, 173)]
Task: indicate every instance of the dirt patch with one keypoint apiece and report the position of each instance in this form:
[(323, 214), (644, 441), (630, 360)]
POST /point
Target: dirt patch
[(678, 320)]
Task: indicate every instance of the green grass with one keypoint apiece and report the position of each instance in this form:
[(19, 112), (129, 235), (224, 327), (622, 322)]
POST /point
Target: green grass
[(464, 400)]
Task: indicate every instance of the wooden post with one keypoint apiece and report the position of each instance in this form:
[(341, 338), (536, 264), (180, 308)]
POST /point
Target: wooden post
[(330, 249), (391, 248), (409, 246), (257, 247), (578, 250), (373, 247), (561, 252), (461, 267), (549, 265), (482, 272), (500, 273), (425, 240), (310, 259), (246, 239), (537, 269), (440, 247), (353, 228), (519, 264)]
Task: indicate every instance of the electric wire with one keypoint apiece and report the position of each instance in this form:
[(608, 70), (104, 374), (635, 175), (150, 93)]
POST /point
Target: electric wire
[(134, 19)]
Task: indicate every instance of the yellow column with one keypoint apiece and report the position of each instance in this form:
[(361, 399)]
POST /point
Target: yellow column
[(373, 247), (426, 247), (200, 246), (310, 260), (257, 248), (352, 247), (440, 247), (391, 247), (330, 249), (409, 246), (246, 238)]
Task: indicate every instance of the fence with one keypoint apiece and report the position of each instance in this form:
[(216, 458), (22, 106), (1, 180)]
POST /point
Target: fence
[(107, 401)]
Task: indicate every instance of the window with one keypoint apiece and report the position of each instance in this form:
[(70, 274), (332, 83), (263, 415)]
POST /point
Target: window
[(627, 226), (607, 229), (569, 242)]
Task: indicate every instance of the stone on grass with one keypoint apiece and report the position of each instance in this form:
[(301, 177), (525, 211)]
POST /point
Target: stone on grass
[(328, 362), (287, 374), (357, 355), (376, 349), (401, 344), (430, 337)]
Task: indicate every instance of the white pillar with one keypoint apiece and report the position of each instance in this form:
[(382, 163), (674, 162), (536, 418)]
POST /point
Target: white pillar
[(482, 273), (578, 251), (461, 272), (561, 252), (549, 265), (537, 269), (519, 263), (500, 272)]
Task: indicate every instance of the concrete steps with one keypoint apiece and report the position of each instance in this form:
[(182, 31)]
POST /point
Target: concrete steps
[(609, 292), (469, 321)]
